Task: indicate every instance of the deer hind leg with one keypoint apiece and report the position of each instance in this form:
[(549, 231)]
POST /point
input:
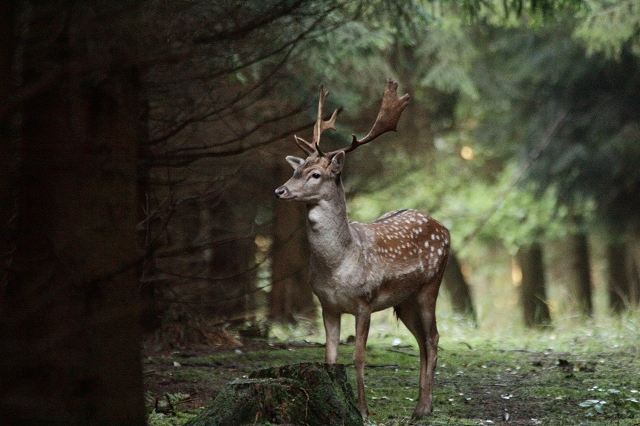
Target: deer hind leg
[(425, 401), (408, 313), (420, 320)]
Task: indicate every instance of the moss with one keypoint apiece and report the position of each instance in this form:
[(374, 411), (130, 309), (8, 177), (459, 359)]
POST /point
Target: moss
[(303, 394)]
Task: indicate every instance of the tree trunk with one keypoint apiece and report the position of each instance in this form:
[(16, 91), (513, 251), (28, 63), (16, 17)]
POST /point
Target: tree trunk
[(533, 296), (291, 293), (8, 148), (69, 323), (458, 289), (239, 291), (634, 271), (231, 294), (307, 393), (579, 273), (150, 309), (618, 282)]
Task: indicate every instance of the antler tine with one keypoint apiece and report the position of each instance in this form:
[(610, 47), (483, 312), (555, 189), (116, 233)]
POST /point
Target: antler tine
[(304, 145), (320, 126), (388, 116)]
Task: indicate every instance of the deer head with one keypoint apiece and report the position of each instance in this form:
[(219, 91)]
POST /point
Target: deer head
[(308, 183)]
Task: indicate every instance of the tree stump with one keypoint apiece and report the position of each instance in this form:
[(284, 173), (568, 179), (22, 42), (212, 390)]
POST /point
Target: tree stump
[(296, 394)]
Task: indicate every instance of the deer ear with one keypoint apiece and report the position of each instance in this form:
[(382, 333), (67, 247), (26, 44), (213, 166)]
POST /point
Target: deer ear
[(337, 162), (294, 161)]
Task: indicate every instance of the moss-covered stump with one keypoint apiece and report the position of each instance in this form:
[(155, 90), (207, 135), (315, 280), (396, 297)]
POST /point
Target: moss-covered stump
[(296, 394)]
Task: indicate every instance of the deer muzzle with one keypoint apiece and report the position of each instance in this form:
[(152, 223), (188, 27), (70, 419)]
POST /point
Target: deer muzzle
[(283, 193)]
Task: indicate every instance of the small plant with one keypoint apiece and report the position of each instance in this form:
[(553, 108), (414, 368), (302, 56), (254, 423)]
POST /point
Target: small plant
[(594, 406), (177, 419), (162, 410), (622, 406)]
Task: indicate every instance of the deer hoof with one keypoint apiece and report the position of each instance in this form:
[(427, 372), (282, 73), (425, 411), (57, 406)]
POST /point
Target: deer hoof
[(365, 414), (421, 412)]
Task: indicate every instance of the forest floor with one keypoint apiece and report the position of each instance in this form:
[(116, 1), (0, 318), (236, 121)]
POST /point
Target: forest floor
[(589, 377)]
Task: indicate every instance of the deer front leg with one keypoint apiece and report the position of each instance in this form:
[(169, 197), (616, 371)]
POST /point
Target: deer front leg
[(332, 334), (363, 320)]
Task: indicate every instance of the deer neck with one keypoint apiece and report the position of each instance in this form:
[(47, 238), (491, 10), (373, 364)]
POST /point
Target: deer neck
[(328, 229)]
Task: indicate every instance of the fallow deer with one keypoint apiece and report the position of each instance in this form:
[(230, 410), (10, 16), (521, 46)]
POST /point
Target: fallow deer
[(395, 261)]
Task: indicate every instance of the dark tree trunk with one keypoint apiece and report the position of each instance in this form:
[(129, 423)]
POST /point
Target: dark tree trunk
[(634, 275), (580, 273), (458, 289), (231, 293), (69, 315), (8, 148), (618, 282), (148, 233), (533, 296), (239, 291), (291, 293)]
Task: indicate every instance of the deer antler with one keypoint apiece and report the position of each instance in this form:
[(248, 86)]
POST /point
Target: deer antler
[(320, 126), (387, 120)]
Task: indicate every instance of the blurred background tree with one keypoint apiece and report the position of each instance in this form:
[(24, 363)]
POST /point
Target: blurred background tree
[(549, 84)]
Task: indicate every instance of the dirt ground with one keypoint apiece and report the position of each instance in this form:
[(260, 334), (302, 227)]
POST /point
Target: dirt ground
[(201, 375)]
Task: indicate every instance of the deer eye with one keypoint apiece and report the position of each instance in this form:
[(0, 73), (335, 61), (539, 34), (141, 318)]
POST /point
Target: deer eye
[(316, 175)]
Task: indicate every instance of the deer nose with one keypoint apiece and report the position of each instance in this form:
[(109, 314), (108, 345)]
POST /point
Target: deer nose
[(281, 192)]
